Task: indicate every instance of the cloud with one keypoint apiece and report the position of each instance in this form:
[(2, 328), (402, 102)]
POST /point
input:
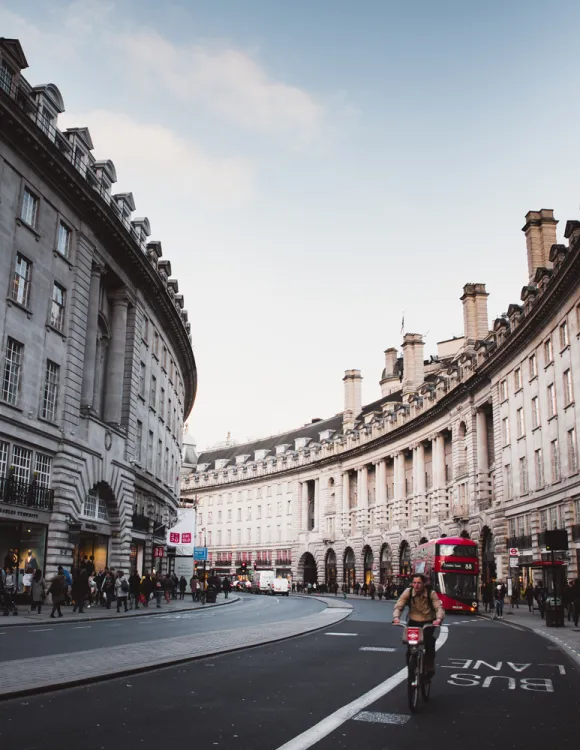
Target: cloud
[(152, 155), (228, 82)]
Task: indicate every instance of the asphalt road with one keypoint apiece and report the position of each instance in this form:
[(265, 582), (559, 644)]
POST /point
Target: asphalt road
[(43, 639), (496, 686)]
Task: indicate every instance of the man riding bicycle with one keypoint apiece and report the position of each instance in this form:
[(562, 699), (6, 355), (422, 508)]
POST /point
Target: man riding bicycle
[(424, 607)]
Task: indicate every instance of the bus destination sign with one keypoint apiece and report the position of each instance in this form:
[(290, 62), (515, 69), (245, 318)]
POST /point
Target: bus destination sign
[(468, 567)]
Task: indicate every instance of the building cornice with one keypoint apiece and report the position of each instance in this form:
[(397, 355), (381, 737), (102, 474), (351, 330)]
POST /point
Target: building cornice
[(58, 172)]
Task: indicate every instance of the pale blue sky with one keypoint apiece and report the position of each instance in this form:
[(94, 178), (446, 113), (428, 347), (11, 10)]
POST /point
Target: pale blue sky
[(314, 168)]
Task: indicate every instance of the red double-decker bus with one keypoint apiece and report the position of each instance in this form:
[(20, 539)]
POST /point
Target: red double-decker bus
[(452, 567)]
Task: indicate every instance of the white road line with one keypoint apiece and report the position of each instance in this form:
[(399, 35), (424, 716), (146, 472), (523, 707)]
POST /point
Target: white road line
[(376, 717), (328, 725), (41, 630), (82, 627), (341, 634), (377, 648)]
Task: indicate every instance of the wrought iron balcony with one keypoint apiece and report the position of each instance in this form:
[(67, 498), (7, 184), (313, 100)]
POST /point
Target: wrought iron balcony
[(26, 494), (283, 561), (523, 541), (140, 522)]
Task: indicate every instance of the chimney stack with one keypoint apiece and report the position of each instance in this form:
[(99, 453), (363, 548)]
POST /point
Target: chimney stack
[(413, 362), (475, 318), (352, 398), (389, 381), (540, 230)]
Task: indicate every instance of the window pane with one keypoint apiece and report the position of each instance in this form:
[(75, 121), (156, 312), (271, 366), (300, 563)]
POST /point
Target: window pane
[(29, 207), (21, 284), (49, 401), (12, 370), (3, 459), (21, 459), (57, 307), (42, 467), (63, 240)]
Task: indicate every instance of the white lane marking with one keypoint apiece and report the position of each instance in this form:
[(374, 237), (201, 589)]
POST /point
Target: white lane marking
[(377, 717), (328, 725), (82, 627), (40, 630), (377, 648), (353, 634)]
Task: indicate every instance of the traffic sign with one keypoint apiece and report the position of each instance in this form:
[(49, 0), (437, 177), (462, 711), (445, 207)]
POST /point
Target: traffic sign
[(200, 554), (514, 552), (514, 562)]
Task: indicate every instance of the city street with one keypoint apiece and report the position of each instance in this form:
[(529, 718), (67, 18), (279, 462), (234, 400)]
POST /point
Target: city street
[(496, 683)]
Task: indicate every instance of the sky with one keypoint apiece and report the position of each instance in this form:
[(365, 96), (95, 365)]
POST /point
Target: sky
[(317, 169)]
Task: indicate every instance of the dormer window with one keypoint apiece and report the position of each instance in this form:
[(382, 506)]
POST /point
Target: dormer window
[(260, 455), (241, 459), (6, 77), (301, 442), (280, 449), (326, 434)]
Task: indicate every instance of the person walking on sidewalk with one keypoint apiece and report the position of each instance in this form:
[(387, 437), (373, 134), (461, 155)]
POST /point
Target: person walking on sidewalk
[(529, 594), (8, 587), (37, 591), (146, 589), (121, 590), (499, 595), (540, 597), (182, 587), (226, 586), (108, 589), (575, 594), (80, 590), (134, 589), (56, 590)]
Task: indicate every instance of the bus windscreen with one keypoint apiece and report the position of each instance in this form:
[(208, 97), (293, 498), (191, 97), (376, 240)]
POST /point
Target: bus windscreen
[(457, 550), (458, 585)]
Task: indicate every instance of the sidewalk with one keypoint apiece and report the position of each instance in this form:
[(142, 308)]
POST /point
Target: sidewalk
[(567, 637), (40, 674), (25, 617)]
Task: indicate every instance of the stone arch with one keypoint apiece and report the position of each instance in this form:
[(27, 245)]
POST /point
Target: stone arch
[(368, 560), (404, 558), (330, 569), (386, 564), (488, 569), (349, 568), (307, 570)]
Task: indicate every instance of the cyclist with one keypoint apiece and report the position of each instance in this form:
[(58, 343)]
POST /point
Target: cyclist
[(424, 607)]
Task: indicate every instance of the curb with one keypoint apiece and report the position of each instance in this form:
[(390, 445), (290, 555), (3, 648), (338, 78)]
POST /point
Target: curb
[(93, 679), (66, 620), (570, 652)]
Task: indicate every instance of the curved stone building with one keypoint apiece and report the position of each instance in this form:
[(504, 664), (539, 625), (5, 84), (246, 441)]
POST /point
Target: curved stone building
[(479, 440), (97, 366)]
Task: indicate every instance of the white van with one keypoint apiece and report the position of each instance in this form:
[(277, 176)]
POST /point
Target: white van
[(280, 586), (261, 581)]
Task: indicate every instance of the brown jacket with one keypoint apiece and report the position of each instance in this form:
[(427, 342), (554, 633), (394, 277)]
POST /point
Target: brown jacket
[(419, 608)]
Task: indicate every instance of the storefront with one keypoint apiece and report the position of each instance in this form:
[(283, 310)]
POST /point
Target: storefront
[(23, 541), (138, 556), (92, 541)]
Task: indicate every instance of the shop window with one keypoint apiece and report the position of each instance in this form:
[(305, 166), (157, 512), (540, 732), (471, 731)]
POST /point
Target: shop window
[(90, 504), (42, 468)]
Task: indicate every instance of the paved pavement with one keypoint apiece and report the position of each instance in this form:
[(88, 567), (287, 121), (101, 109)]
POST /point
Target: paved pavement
[(340, 688), (25, 617), (36, 674), (567, 637)]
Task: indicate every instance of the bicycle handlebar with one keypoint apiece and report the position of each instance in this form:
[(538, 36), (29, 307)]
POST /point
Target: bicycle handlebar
[(406, 625)]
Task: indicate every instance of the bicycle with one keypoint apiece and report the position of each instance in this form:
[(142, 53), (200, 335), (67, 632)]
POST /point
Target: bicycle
[(417, 681)]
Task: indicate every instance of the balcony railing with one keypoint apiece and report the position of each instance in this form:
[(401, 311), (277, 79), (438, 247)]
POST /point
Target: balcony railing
[(283, 561), (523, 541), (26, 494), (140, 523)]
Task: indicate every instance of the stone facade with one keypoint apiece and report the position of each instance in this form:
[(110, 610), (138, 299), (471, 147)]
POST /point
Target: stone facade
[(455, 445), (98, 371)]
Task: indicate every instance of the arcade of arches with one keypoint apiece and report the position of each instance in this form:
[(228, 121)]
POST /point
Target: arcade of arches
[(307, 571)]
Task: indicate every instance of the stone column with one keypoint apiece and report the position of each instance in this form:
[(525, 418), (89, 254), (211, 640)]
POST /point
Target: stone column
[(116, 360), (419, 479), (363, 498), (304, 507), (482, 456), (318, 518), (399, 488), (381, 491), (90, 357), (345, 503), (439, 482)]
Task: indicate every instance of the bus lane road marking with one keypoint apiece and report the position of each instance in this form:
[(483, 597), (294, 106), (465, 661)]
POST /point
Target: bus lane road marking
[(513, 672)]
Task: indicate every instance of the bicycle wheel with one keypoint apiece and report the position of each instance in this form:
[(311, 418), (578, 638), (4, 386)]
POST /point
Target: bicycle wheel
[(425, 684), (413, 679)]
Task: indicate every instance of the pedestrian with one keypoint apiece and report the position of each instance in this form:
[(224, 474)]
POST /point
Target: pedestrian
[(9, 586), (174, 585), (80, 590), (121, 590), (540, 596), (68, 581), (146, 589), (182, 587), (372, 591), (134, 589), (226, 586), (365, 588), (37, 591), (57, 591), (516, 594), (293, 587), (157, 590), (194, 586), (167, 587), (499, 597), (309, 587), (344, 590), (529, 594), (108, 589), (357, 588)]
